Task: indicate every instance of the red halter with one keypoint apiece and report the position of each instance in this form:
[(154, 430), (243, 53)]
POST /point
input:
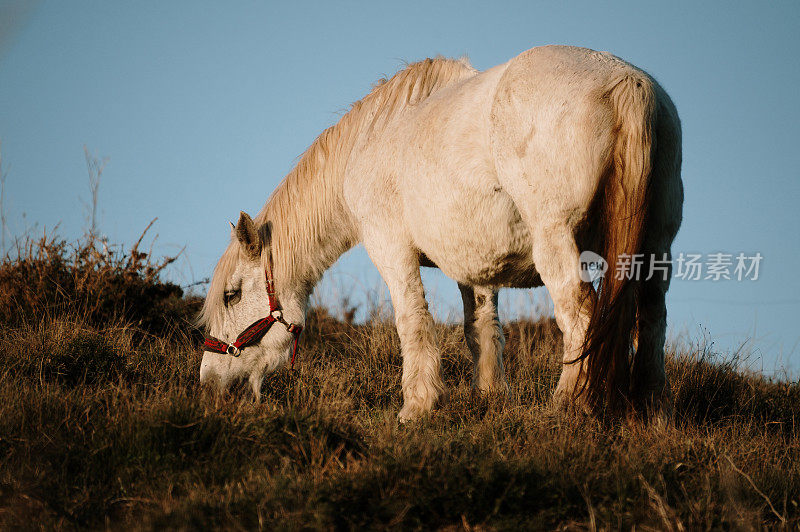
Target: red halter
[(256, 330)]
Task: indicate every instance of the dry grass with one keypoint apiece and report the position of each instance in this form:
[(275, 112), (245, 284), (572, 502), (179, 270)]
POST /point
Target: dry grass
[(106, 427)]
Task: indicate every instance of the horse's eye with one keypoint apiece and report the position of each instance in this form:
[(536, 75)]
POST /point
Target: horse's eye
[(231, 297)]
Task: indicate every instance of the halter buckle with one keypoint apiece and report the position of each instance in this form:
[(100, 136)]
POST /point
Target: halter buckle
[(233, 350), (277, 314)]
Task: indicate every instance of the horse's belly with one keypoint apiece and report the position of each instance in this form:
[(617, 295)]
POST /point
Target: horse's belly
[(480, 241)]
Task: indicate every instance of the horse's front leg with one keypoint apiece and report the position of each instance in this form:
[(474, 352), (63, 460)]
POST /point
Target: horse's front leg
[(422, 384), (484, 337)]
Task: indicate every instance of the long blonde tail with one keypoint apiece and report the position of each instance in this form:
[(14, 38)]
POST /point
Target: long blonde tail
[(623, 208)]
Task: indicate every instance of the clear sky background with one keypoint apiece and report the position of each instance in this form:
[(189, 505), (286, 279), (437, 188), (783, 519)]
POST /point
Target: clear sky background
[(202, 108)]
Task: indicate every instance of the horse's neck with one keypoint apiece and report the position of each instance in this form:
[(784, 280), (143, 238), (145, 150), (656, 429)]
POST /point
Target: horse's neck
[(311, 224)]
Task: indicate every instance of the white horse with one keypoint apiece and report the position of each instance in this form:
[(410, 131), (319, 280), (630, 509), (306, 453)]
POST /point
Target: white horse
[(500, 179)]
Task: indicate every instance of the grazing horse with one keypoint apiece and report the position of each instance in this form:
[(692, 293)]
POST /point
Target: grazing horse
[(499, 178)]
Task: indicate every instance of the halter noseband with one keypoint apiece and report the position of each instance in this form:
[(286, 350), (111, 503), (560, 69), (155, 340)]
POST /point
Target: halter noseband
[(256, 330)]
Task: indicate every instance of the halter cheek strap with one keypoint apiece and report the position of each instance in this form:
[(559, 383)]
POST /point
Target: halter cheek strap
[(256, 330)]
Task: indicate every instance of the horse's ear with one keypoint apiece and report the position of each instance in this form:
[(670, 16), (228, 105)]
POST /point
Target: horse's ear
[(233, 229), (248, 235)]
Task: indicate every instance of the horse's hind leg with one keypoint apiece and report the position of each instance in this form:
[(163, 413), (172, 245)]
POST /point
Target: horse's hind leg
[(422, 384), (484, 337), (649, 381), (649, 385), (557, 261)]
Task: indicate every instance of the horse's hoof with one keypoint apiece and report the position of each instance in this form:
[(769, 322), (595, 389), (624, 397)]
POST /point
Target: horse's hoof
[(567, 401), (655, 404), (562, 399), (492, 388), (410, 413), (407, 416)]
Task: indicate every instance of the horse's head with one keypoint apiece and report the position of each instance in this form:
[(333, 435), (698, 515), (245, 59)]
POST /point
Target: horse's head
[(237, 299)]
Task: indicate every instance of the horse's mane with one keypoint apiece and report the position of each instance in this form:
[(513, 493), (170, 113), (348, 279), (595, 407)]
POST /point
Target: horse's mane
[(302, 211)]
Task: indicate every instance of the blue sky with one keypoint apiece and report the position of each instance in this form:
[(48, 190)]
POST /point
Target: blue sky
[(202, 108)]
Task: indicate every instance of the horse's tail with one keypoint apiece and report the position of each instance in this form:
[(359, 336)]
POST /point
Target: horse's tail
[(623, 203)]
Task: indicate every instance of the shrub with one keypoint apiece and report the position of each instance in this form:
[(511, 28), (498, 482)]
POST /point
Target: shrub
[(89, 279)]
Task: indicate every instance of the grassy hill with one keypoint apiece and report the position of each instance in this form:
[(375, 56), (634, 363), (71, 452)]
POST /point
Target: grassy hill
[(103, 425)]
